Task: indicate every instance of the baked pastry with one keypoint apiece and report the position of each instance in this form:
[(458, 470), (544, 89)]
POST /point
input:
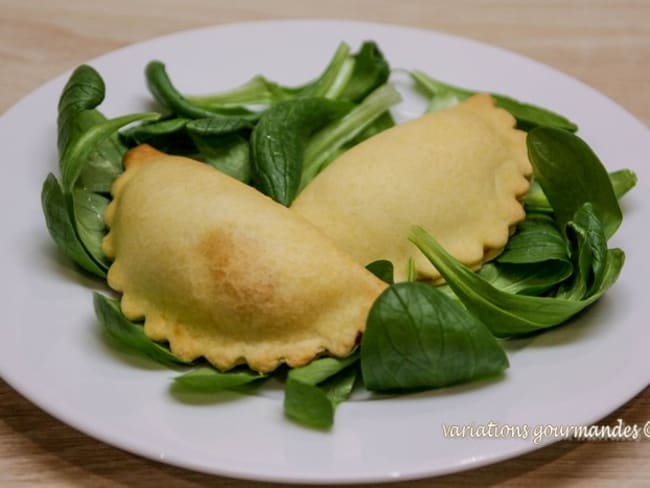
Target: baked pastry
[(460, 173), (221, 271)]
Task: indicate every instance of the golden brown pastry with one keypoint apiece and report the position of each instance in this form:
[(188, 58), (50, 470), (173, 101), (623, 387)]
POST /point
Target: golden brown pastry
[(221, 271), (459, 173)]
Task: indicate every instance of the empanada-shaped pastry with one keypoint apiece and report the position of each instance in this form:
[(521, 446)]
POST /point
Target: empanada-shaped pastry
[(459, 173), (221, 271)]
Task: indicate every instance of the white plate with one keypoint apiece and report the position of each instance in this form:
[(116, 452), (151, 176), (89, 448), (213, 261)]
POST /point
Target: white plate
[(51, 349)]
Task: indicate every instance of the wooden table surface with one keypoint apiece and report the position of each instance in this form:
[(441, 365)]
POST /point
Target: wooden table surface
[(604, 43)]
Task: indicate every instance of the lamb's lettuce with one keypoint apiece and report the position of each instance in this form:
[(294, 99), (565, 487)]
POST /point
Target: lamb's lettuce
[(206, 379), (279, 140), (313, 392), (507, 314), (61, 226), (622, 180), (326, 144), (416, 338), (129, 334), (528, 116), (90, 157), (571, 175)]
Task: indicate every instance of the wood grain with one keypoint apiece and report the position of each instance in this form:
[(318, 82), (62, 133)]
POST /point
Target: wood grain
[(604, 43)]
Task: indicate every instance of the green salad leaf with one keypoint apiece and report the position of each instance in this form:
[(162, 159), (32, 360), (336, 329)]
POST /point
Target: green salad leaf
[(382, 269), (79, 150), (88, 210), (230, 154), (526, 279), (380, 124), (221, 141), (86, 140), (315, 406), (169, 135), (61, 226), (168, 96), (279, 139), (313, 392), (90, 160), (256, 91), (259, 90), (129, 334), (209, 380), (537, 239), (416, 337), (535, 259), (371, 70), (590, 255), (104, 163), (528, 116), (333, 80), (326, 144), (83, 92), (622, 180), (346, 77), (219, 125), (571, 175), (507, 314)]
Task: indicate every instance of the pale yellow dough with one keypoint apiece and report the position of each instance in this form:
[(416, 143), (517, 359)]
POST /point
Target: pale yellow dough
[(221, 271), (459, 173)]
